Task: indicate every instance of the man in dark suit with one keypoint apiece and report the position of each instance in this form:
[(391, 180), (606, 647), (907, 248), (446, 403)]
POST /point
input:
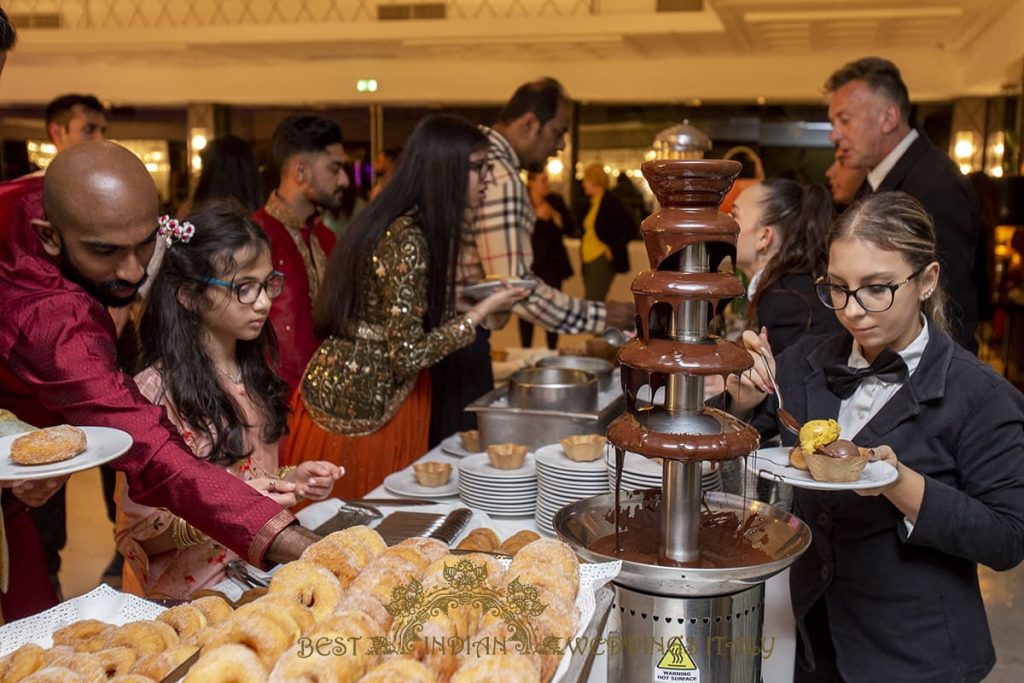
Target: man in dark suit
[(869, 108)]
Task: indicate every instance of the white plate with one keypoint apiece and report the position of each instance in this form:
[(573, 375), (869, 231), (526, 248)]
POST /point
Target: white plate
[(773, 463), (403, 483), (103, 444), (452, 445), (553, 457), (482, 290), (479, 467)]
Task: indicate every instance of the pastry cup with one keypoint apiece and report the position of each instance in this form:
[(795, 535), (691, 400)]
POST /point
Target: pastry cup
[(584, 447), (499, 355), (827, 468), (507, 456), (470, 440), (432, 473)]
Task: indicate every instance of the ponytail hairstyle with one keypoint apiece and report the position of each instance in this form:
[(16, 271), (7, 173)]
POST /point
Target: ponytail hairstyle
[(895, 221), (801, 216), (224, 241)]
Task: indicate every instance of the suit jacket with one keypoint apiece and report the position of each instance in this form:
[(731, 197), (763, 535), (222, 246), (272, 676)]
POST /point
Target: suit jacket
[(550, 259), (927, 173), (790, 309), (615, 228), (908, 608)]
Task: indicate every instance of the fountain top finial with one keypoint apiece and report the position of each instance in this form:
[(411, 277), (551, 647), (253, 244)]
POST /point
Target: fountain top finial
[(682, 141)]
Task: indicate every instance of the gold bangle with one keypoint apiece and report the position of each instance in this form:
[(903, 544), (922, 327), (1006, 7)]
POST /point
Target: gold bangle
[(184, 535), (285, 471)]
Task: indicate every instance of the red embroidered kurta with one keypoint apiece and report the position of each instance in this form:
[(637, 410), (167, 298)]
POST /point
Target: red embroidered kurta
[(299, 247), (58, 350)]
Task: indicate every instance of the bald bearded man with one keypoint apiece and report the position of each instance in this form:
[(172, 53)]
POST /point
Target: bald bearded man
[(58, 348)]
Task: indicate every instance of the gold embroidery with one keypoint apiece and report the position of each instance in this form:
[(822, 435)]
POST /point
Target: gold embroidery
[(313, 257)]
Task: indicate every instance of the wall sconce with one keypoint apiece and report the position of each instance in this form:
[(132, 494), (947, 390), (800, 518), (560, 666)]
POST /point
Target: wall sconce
[(964, 149), (197, 141), (996, 153)]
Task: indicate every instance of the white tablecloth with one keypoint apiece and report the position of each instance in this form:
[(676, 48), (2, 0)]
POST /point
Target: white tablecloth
[(779, 623)]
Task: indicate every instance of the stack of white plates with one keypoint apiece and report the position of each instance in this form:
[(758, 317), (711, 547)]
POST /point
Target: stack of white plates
[(561, 481), (639, 472), (512, 493)]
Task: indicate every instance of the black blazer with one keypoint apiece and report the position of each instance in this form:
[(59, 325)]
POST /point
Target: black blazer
[(927, 173), (790, 309), (550, 259), (909, 609), (615, 228)]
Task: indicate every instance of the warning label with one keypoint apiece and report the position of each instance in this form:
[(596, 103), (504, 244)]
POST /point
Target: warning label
[(676, 665)]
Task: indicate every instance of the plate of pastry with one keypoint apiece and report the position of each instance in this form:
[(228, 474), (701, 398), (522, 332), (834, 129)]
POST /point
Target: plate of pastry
[(60, 450), (482, 290), (778, 464)]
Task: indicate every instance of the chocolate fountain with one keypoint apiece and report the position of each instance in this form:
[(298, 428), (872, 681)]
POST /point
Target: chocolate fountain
[(690, 596)]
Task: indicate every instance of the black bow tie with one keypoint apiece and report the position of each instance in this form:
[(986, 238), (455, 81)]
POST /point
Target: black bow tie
[(843, 380)]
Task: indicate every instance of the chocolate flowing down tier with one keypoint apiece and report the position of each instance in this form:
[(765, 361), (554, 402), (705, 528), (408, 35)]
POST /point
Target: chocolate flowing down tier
[(671, 229), (693, 183), (716, 356), (735, 439)]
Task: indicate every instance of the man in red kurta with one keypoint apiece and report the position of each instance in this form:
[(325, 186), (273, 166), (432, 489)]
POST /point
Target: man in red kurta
[(58, 348), (309, 152)]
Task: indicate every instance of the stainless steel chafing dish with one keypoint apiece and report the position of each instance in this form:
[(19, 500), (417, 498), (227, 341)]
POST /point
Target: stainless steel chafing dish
[(498, 422)]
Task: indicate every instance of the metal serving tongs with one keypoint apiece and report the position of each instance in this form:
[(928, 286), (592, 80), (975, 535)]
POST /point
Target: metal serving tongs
[(785, 417), (237, 571)]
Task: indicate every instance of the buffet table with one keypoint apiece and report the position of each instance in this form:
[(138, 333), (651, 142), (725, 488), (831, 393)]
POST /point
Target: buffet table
[(779, 624)]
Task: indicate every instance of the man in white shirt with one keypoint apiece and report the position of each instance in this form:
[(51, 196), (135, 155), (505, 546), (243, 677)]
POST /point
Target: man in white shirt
[(869, 107)]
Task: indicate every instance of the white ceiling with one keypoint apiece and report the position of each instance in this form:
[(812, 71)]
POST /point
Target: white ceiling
[(262, 51)]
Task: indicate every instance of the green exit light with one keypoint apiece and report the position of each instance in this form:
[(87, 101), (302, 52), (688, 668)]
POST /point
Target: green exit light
[(366, 85)]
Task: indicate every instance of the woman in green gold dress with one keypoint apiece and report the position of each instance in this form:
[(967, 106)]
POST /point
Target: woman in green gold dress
[(387, 312)]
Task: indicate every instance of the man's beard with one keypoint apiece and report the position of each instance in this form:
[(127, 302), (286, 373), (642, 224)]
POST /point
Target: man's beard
[(103, 291), (327, 200)]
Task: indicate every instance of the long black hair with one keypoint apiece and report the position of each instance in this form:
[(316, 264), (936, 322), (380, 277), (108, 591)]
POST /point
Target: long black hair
[(170, 332), (802, 216), (230, 170), (431, 178)]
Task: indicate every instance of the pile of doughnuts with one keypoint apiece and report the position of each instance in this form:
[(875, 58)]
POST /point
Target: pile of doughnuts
[(91, 651), (318, 621)]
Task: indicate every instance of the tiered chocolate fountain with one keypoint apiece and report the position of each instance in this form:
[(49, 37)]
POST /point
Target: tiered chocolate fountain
[(690, 596)]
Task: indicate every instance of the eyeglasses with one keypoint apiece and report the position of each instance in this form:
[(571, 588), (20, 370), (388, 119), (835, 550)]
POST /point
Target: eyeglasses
[(482, 167), (250, 291), (872, 298)]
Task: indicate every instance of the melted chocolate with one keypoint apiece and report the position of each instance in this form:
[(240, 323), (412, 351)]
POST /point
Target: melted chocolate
[(840, 448), (714, 357), (736, 439)]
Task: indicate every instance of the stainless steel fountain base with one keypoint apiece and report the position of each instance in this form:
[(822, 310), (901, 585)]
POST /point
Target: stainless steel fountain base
[(655, 638)]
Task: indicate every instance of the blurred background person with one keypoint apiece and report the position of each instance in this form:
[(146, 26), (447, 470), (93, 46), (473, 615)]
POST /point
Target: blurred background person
[(229, 170), (383, 165), (607, 229), (631, 199), (550, 259), (844, 183), (781, 245)]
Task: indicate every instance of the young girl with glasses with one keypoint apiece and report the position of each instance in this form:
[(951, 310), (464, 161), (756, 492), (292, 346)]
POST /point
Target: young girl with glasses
[(207, 348), (889, 588)]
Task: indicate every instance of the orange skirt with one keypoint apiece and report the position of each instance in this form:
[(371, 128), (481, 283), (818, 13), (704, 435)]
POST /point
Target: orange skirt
[(367, 459)]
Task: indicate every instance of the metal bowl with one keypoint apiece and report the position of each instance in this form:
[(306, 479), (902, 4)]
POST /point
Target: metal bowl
[(786, 538), (573, 391), (599, 366)]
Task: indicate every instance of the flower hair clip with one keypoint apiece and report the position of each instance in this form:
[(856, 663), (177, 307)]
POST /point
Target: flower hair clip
[(172, 230)]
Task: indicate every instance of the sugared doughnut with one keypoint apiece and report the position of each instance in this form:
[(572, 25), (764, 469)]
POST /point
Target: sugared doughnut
[(315, 667), (334, 558), (432, 649), (363, 536), (158, 665), (430, 548), (87, 635), (403, 558), (49, 445), (276, 613), (300, 615), (186, 620), (401, 670), (494, 571), (353, 632), (308, 584), (143, 636), (117, 661), (228, 664), (215, 608), (256, 632), (362, 602), (507, 668), (379, 580), (544, 580), (84, 664), (24, 661), (550, 552), (54, 674), (130, 678)]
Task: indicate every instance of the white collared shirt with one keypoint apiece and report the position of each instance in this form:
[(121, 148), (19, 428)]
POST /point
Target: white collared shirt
[(755, 281), (873, 393), (878, 173)]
